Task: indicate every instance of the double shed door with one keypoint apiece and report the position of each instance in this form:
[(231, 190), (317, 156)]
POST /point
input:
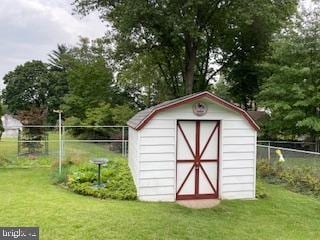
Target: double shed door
[(197, 159)]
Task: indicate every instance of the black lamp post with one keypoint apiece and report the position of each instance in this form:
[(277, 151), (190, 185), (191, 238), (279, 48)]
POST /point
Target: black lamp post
[(99, 162)]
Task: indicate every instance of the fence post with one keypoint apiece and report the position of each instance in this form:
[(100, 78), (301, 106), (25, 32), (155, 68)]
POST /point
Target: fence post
[(62, 143), (122, 142), (269, 152), (60, 140), (19, 142)]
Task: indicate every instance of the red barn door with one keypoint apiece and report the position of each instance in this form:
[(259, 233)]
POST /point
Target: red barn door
[(197, 159)]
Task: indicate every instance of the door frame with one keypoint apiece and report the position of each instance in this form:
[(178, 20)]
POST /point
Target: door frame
[(199, 196)]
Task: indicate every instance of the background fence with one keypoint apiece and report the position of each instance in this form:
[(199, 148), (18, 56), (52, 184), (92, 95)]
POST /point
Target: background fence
[(299, 145), (34, 146), (292, 157)]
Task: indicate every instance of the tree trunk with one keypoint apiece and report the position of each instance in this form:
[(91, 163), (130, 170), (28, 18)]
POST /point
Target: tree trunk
[(190, 62)]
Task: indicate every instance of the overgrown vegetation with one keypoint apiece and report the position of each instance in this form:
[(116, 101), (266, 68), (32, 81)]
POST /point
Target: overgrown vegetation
[(298, 179)]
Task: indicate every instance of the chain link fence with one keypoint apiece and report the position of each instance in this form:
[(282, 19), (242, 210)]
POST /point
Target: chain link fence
[(44, 146), (289, 157), (298, 145)]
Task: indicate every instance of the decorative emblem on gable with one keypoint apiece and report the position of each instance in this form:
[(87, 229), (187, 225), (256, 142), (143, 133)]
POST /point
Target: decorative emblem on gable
[(199, 108)]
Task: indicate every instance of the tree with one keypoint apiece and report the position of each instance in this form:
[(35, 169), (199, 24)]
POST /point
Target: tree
[(121, 114), (57, 58), (89, 79), (222, 89), (93, 93), (26, 86), (142, 79), (30, 138), (242, 72), (292, 88), (59, 61), (1, 126), (190, 41), (35, 85)]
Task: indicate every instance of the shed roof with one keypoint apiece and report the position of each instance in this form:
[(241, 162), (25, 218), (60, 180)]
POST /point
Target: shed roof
[(139, 120)]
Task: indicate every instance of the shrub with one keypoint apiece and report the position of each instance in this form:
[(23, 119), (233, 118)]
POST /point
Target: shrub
[(116, 176), (60, 178), (260, 191), (65, 169), (4, 161), (302, 180)]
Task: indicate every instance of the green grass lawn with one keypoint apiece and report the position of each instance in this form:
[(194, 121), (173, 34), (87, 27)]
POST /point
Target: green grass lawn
[(75, 151), (27, 198)]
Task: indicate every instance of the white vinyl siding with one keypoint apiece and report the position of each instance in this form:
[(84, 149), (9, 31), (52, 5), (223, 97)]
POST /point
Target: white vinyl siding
[(155, 152), (238, 160), (133, 154)]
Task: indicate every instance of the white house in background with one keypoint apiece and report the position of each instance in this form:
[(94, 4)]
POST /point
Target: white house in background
[(195, 147), (11, 126)]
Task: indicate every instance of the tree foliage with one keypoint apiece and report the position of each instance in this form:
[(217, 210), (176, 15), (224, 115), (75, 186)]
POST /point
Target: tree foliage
[(57, 58), (26, 86), (1, 125), (190, 41), (77, 79), (261, 20), (34, 85), (93, 94), (292, 87), (222, 89), (90, 80), (142, 79), (31, 137)]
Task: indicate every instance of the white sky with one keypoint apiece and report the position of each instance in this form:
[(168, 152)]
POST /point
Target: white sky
[(31, 29)]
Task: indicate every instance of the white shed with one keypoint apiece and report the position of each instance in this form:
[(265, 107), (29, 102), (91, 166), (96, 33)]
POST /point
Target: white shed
[(195, 147)]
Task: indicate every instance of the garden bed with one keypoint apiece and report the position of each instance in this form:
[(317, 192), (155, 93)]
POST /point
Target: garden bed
[(305, 180), (115, 176)]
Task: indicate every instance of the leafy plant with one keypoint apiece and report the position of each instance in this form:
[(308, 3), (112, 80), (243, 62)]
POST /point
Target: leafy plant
[(71, 161), (260, 190), (116, 176), (291, 89), (303, 180)]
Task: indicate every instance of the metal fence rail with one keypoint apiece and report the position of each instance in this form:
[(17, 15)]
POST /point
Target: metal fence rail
[(76, 142), (292, 157), (71, 143), (300, 145)]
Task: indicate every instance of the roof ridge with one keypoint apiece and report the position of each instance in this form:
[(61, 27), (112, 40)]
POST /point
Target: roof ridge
[(141, 118)]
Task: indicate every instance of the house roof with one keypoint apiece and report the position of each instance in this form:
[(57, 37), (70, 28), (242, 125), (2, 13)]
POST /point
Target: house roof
[(258, 116), (139, 120)]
